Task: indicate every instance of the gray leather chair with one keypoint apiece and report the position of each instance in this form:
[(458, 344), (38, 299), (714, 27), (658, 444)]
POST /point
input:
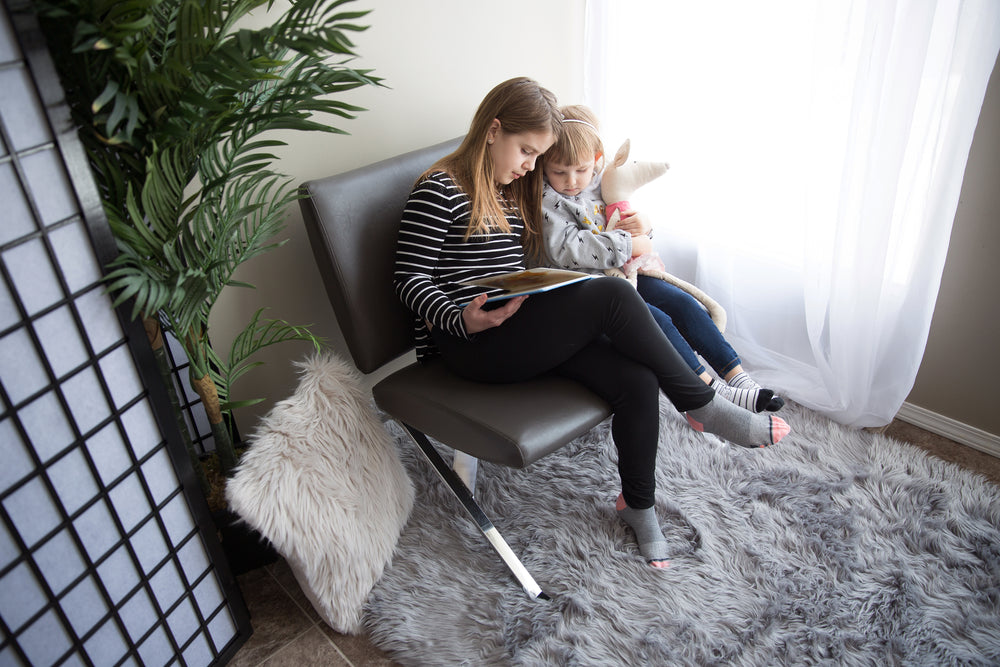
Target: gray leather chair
[(352, 220)]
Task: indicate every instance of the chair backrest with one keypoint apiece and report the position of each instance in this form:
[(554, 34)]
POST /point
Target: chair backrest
[(353, 220)]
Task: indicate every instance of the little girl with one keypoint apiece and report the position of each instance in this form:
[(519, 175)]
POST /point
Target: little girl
[(575, 238), (476, 213)]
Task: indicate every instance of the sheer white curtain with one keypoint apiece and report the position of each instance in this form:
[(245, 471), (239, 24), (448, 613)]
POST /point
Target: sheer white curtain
[(817, 150)]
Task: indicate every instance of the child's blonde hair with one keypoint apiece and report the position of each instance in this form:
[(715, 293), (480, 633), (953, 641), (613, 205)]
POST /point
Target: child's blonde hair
[(580, 139)]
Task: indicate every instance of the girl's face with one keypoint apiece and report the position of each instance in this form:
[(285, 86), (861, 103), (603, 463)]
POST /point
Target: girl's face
[(514, 155), (569, 179)]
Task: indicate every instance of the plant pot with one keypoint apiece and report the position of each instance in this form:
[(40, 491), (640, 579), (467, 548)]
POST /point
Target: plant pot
[(245, 548)]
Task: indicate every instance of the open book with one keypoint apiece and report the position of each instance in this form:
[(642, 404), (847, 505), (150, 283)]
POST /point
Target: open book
[(529, 281)]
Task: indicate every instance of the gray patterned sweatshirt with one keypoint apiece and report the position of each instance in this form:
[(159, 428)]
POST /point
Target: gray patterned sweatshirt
[(573, 232)]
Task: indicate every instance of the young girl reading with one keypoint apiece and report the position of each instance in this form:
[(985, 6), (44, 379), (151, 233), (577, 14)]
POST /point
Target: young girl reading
[(476, 213), (575, 238)]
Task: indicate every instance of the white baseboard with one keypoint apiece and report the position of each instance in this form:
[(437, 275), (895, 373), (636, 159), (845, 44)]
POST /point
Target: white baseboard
[(950, 428)]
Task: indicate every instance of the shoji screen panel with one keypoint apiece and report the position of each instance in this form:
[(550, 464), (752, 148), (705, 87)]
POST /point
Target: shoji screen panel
[(104, 559)]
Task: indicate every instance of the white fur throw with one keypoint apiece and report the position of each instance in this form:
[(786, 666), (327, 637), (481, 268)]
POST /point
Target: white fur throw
[(322, 481)]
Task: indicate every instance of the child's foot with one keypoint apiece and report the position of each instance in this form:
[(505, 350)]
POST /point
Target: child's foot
[(743, 381), (652, 546), (737, 425), (754, 399), (775, 404)]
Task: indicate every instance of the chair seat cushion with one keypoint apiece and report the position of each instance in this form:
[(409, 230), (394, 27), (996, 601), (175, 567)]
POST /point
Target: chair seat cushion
[(508, 424)]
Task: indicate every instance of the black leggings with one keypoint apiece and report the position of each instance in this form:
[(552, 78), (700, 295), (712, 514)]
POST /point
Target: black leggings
[(599, 333)]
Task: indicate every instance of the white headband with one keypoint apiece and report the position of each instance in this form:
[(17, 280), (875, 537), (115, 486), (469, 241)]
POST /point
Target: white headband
[(574, 120)]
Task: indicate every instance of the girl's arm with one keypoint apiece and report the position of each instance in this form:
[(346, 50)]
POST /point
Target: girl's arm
[(571, 244), (429, 213)]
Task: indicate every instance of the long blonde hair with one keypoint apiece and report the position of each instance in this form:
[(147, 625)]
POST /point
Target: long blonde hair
[(521, 105)]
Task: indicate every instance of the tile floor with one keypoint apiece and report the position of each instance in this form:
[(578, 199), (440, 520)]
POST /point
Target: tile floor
[(288, 631)]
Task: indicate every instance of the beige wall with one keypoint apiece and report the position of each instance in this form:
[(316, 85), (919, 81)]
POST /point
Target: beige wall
[(959, 373), (438, 58)]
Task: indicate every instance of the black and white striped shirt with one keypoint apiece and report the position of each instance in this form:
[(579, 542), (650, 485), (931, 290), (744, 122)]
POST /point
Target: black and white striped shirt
[(432, 257)]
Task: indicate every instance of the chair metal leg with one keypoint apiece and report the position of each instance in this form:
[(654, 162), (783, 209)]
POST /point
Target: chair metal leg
[(466, 466), (461, 491)]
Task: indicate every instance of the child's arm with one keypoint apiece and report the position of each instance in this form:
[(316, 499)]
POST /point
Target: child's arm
[(634, 223), (638, 227), (641, 245), (571, 244)]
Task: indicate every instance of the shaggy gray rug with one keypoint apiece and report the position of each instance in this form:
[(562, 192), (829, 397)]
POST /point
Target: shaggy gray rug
[(834, 547)]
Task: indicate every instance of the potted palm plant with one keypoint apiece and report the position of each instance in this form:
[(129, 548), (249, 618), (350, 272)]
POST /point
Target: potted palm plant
[(178, 104)]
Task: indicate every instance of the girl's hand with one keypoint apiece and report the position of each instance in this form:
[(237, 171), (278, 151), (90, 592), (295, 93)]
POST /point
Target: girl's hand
[(634, 223), (476, 319), (641, 245)]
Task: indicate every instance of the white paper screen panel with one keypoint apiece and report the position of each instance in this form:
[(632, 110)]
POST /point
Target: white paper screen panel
[(101, 558)]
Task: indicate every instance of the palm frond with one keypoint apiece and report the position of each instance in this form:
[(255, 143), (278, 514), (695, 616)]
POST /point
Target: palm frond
[(177, 104), (258, 335)]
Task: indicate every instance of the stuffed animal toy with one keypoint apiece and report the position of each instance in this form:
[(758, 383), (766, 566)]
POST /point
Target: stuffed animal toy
[(622, 178), (619, 182)]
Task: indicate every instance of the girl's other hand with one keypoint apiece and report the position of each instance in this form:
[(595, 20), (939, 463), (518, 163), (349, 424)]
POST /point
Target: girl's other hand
[(476, 319), (634, 223)]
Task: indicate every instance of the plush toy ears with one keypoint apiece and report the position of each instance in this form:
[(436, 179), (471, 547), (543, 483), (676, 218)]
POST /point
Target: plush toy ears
[(622, 153)]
